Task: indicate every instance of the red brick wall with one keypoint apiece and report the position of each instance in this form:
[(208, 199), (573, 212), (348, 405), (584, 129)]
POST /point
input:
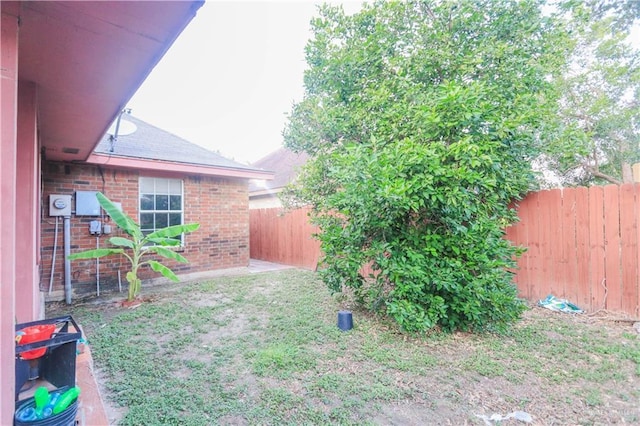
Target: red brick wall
[(219, 205)]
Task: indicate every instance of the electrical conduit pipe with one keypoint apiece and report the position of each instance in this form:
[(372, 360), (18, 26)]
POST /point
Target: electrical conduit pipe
[(53, 259), (67, 262)]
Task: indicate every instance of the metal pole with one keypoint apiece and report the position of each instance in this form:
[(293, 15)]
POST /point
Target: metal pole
[(67, 262), (55, 250), (97, 268)]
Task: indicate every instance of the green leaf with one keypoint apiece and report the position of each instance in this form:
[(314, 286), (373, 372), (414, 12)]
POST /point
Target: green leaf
[(95, 254), (164, 241), (119, 217), (159, 267), (173, 231), (169, 254), (122, 242)]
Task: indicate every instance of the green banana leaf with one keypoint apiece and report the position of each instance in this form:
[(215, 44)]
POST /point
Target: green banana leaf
[(173, 231), (169, 254), (95, 254), (164, 241), (119, 217), (122, 242), (159, 267)]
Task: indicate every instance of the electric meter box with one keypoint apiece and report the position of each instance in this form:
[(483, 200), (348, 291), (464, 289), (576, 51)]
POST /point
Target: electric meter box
[(87, 203), (59, 205)]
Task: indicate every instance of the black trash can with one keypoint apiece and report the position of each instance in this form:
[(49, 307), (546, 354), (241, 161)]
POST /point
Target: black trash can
[(65, 418), (345, 320)]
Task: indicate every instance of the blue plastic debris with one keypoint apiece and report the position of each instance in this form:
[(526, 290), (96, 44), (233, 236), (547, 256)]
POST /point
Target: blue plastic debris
[(560, 305)]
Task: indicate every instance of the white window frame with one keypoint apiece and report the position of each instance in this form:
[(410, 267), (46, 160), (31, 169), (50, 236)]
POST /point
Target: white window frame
[(160, 186)]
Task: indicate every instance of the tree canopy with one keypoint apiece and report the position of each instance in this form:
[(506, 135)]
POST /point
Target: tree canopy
[(599, 131), (423, 119)]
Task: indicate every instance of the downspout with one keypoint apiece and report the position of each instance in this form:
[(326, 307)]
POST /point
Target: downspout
[(98, 267), (67, 262), (53, 260)]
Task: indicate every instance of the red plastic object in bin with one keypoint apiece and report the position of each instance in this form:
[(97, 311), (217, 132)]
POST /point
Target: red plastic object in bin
[(34, 333)]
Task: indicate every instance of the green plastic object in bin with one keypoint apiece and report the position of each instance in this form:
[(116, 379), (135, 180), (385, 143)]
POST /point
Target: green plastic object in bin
[(26, 412), (41, 398), (66, 399)]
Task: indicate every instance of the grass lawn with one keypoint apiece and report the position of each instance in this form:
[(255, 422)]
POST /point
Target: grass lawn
[(265, 349)]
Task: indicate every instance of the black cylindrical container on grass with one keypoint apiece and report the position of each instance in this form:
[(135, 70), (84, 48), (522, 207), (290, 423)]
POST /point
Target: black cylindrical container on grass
[(345, 320)]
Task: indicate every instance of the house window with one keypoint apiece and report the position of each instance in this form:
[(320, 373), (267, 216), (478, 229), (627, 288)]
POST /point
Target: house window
[(161, 203)]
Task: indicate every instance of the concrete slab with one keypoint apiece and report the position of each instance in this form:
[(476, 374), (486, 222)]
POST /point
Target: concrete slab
[(257, 266)]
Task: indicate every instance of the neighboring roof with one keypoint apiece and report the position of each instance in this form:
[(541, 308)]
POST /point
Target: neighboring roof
[(160, 150), (284, 163)]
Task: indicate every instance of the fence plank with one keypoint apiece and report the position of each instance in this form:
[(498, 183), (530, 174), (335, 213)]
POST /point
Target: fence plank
[(636, 311), (545, 243), (558, 270), (581, 285), (568, 261), (597, 277), (629, 248), (613, 281), (532, 242)]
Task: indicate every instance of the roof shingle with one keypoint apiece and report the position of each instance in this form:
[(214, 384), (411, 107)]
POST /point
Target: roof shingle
[(148, 142), (284, 163)]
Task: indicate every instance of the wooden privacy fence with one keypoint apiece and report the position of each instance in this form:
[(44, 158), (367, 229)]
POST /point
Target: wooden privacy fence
[(582, 245), (283, 238)]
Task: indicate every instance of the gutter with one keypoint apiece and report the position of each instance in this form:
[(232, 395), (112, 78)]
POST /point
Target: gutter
[(185, 168)]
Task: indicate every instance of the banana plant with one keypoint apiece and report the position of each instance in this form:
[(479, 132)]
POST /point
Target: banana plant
[(138, 246)]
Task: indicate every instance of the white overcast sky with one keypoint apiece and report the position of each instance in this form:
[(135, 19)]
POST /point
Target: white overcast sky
[(231, 77)]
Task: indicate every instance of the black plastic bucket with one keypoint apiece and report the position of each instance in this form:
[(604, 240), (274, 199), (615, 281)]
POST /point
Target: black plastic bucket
[(65, 418), (345, 320)]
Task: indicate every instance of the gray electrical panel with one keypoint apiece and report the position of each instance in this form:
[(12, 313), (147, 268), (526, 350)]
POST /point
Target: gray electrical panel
[(87, 203)]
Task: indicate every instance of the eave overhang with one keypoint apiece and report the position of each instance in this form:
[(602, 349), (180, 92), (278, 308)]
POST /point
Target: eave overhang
[(87, 59), (174, 167)]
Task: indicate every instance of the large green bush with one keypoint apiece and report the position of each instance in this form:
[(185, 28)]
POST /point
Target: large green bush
[(423, 117)]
